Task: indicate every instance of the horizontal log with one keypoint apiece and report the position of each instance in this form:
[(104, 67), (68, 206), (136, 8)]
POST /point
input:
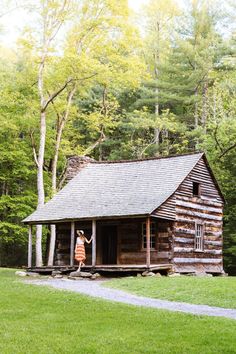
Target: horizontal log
[(197, 260), (213, 247), (183, 249), (163, 254), (181, 211), (192, 268), (209, 251), (217, 200), (197, 254), (163, 234), (183, 240), (154, 260), (163, 249), (165, 244), (206, 222), (189, 232), (203, 199), (191, 249), (185, 219), (209, 233), (213, 242), (199, 206), (184, 231), (213, 233)]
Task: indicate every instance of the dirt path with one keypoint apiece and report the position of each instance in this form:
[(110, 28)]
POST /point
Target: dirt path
[(95, 289)]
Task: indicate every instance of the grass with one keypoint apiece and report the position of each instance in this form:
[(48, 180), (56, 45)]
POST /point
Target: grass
[(216, 291), (35, 319)]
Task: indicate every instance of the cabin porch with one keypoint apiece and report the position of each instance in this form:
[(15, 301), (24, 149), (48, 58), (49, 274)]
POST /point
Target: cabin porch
[(119, 245)]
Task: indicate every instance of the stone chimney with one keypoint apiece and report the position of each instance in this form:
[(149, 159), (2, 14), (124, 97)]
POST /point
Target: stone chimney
[(75, 164)]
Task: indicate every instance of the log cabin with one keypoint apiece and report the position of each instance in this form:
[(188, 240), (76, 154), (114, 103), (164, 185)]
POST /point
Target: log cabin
[(151, 214)]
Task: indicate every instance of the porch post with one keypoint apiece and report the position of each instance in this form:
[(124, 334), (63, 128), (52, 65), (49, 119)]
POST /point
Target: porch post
[(30, 247), (94, 243), (52, 244), (148, 242), (72, 243)]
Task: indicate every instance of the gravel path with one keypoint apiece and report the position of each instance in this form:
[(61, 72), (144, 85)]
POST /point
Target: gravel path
[(95, 289)]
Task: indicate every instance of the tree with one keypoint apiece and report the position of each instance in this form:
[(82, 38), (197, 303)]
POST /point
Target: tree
[(52, 15), (99, 49), (160, 25), (189, 71), (112, 48), (17, 175)]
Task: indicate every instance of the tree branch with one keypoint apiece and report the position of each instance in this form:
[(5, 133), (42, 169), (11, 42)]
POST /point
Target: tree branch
[(227, 150), (55, 94), (34, 148), (145, 148), (98, 142)]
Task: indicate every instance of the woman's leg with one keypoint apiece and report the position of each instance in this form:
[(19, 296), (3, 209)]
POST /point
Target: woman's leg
[(80, 264)]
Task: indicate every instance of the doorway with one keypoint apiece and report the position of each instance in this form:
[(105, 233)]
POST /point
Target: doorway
[(109, 245)]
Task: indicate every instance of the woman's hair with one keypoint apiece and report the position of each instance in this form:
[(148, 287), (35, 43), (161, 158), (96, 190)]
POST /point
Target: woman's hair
[(80, 232)]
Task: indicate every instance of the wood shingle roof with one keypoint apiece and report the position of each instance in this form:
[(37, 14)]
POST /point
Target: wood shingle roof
[(117, 189)]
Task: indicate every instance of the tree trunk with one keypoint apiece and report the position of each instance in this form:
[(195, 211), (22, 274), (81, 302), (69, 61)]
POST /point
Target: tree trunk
[(196, 109), (157, 130), (40, 182), (51, 23), (60, 126), (52, 244), (38, 246), (40, 187), (204, 106), (54, 189)]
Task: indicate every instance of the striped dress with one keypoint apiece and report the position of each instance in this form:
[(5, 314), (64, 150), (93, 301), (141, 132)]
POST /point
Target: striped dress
[(80, 255)]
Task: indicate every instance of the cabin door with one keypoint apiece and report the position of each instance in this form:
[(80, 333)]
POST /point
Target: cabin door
[(109, 245)]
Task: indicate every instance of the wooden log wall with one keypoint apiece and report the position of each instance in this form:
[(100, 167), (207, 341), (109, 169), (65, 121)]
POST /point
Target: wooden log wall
[(62, 247), (130, 243), (206, 209)]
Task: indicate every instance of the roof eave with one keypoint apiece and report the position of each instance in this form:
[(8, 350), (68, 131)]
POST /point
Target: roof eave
[(58, 221), (202, 154)]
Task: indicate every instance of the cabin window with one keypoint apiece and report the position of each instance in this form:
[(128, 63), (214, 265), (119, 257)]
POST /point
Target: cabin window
[(152, 235), (199, 237), (196, 189)]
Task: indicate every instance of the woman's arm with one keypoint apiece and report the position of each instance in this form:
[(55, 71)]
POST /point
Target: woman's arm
[(89, 241)]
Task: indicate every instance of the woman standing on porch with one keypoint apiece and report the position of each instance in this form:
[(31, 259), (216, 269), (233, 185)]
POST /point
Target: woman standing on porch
[(80, 254)]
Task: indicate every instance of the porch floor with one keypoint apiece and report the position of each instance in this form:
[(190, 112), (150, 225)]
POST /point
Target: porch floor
[(111, 268)]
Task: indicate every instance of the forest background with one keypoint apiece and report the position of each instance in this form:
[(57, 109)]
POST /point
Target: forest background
[(91, 77)]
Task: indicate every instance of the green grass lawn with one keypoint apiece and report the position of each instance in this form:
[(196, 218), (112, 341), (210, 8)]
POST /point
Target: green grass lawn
[(216, 291), (36, 319)]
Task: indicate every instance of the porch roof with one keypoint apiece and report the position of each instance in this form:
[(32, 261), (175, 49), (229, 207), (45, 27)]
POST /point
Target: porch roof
[(117, 189)]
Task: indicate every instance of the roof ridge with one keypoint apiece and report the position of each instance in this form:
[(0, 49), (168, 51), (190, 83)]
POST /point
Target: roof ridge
[(147, 159)]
